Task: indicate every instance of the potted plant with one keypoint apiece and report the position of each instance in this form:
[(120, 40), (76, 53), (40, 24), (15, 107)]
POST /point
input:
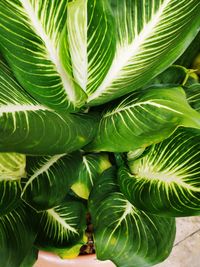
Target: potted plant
[(99, 132)]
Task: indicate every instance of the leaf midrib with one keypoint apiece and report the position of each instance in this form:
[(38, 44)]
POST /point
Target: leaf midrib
[(167, 179), (138, 105), (52, 50), (44, 168), (11, 108), (126, 52), (61, 221)]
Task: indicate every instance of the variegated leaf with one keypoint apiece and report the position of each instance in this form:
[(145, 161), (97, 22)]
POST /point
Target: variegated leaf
[(144, 118), (16, 236), (165, 180), (91, 41), (28, 127), (124, 234), (90, 169), (49, 179), (151, 34), (31, 36), (12, 169), (62, 227), (193, 96)]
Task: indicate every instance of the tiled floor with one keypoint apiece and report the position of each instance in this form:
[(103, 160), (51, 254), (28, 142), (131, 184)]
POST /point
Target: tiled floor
[(186, 251)]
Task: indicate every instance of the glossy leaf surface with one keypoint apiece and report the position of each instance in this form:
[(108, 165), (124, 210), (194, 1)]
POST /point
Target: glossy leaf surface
[(91, 40), (90, 169), (64, 52), (28, 127), (49, 179), (166, 179), (16, 237), (144, 118), (62, 226), (123, 234), (150, 37), (31, 35)]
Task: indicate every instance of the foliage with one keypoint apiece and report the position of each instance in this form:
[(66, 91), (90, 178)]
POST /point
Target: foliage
[(94, 117)]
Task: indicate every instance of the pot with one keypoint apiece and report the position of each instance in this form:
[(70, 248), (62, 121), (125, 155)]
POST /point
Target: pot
[(46, 259)]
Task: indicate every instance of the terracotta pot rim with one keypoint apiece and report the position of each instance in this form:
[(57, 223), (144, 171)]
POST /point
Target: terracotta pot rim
[(53, 257), (48, 259)]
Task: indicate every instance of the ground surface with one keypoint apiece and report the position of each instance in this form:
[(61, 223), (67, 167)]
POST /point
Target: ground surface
[(186, 251)]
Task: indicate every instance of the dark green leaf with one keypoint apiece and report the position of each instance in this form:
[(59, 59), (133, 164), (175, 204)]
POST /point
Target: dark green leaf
[(28, 127), (193, 96), (31, 36), (62, 227), (166, 180), (190, 54), (123, 234), (151, 35), (144, 118), (175, 75), (49, 179), (10, 192), (16, 236), (30, 258)]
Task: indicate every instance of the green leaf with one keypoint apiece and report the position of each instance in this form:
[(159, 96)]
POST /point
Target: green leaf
[(67, 252), (190, 54), (31, 36), (144, 118), (90, 169), (12, 168), (91, 41), (61, 227), (10, 191), (30, 258), (193, 96), (62, 51), (123, 234), (175, 75), (166, 179), (151, 35), (16, 237), (196, 64), (28, 127), (49, 178)]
